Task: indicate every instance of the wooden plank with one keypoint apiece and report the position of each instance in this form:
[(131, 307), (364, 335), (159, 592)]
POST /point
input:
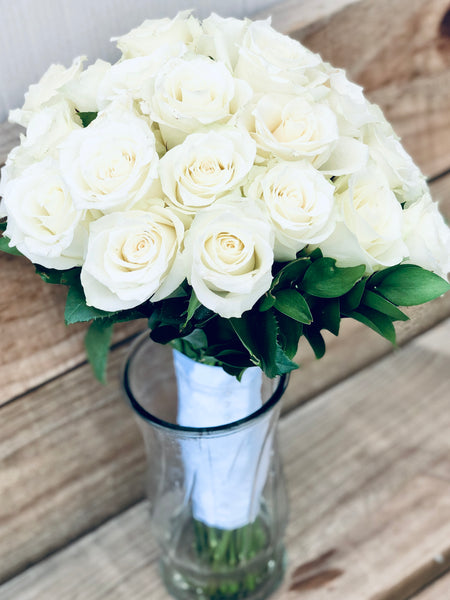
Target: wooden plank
[(439, 590), (367, 513), (35, 345), (70, 457), (399, 51)]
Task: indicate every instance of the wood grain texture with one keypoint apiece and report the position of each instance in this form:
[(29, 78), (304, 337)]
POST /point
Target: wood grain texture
[(368, 513), (399, 50), (439, 590), (70, 458)]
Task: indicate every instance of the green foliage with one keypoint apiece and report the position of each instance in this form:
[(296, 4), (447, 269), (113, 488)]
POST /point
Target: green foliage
[(97, 342), (5, 247), (292, 304), (324, 280), (307, 296), (87, 117), (408, 285)]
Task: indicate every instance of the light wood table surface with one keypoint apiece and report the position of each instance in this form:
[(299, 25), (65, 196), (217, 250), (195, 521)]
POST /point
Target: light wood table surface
[(365, 432)]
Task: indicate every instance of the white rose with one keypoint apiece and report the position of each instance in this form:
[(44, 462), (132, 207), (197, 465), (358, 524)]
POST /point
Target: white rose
[(347, 101), (46, 130), (133, 77), (132, 256), (229, 256), (221, 38), (153, 34), (205, 167), (269, 60), (47, 88), (192, 93), (370, 227), (299, 203), (293, 127), (42, 221), (112, 163), (386, 151), (83, 89), (427, 236)]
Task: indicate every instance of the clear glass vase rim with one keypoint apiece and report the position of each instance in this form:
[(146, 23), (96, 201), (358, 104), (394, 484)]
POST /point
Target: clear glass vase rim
[(174, 427)]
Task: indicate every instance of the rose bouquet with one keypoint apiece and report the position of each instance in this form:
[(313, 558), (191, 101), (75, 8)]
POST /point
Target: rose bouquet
[(228, 185)]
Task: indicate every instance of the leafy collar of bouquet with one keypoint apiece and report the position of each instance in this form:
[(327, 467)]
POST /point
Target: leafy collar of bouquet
[(228, 185)]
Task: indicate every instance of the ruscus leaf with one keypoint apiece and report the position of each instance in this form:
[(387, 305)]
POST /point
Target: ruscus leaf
[(324, 280), (97, 342), (377, 302), (292, 304), (409, 285)]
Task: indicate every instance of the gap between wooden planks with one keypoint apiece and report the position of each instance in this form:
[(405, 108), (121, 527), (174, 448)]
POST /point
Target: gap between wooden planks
[(369, 481)]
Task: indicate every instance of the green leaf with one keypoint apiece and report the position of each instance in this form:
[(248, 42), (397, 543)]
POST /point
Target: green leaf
[(258, 334), (194, 303), (266, 302), (76, 308), (196, 339), (56, 276), (377, 321), (283, 362), (87, 117), (324, 280), (5, 247), (377, 302), (291, 273), (409, 285), (97, 342), (3, 225), (164, 334), (292, 304), (351, 300), (315, 340), (327, 314), (289, 333)]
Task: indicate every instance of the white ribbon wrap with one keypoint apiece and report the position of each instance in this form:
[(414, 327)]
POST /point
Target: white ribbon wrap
[(225, 472)]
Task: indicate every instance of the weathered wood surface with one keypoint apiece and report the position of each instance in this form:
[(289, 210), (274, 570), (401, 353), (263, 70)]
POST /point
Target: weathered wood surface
[(369, 480), (439, 590)]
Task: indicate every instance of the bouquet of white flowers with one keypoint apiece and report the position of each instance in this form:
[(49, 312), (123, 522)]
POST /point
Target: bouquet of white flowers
[(223, 181)]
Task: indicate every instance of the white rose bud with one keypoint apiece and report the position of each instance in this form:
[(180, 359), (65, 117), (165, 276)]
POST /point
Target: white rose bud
[(370, 227), (205, 167), (42, 221), (293, 127), (154, 33), (191, 94), (132, 256), (299, 202), (427, 236), (269, 60), (229, 256), (47, 88), (112, 163)]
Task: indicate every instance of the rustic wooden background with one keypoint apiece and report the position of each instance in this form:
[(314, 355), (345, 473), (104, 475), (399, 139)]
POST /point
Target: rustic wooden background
[(71, 459)]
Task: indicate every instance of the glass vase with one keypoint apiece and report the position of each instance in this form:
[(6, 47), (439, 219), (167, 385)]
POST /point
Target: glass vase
[(215, 485)]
